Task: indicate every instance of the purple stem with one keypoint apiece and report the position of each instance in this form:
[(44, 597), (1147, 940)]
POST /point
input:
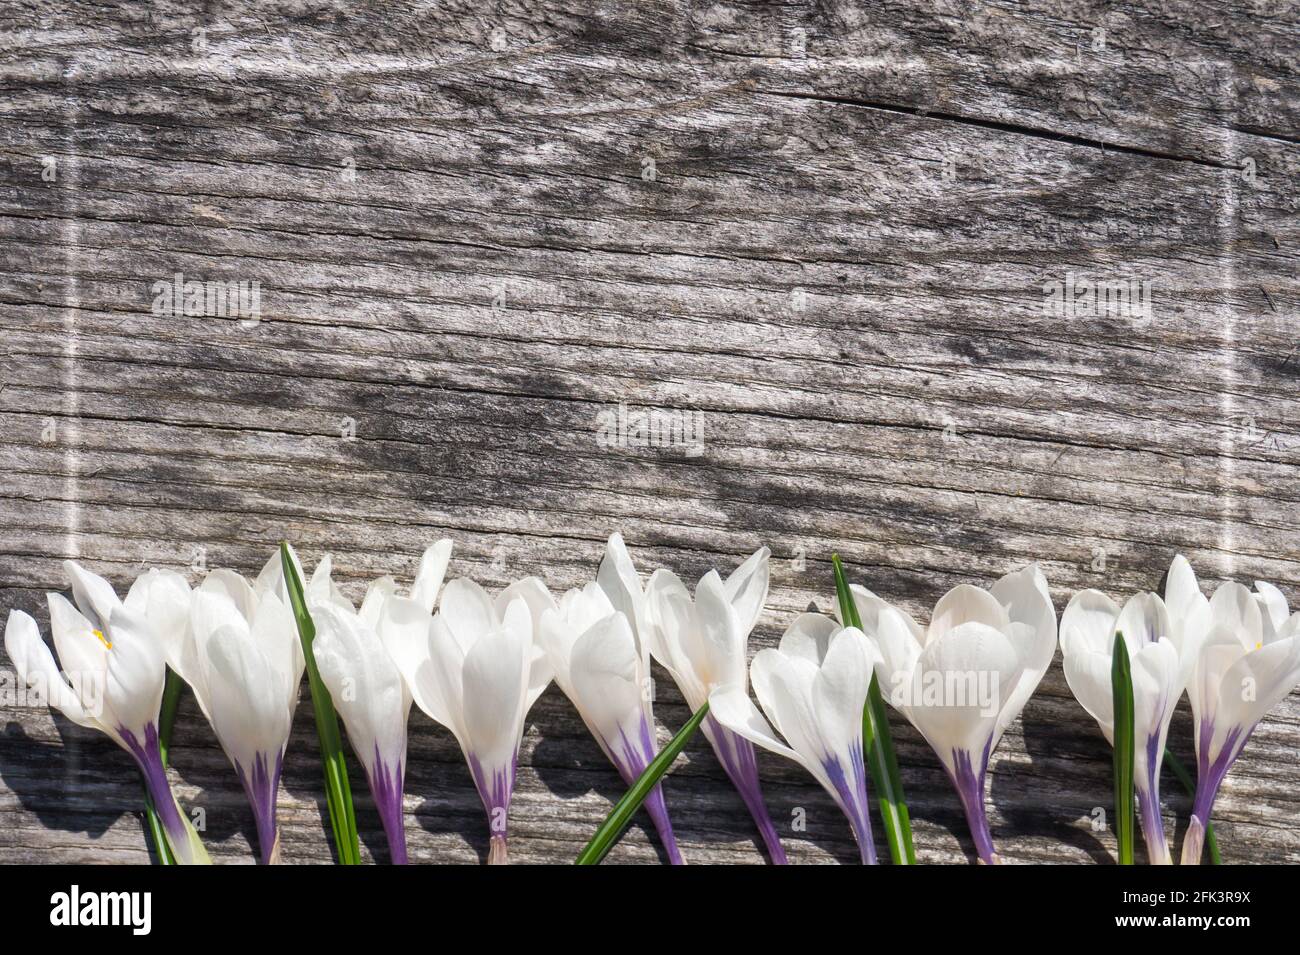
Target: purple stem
[(1209, 776), (969, 783), (630, 761), (148, 756), (852, 790), (495, 793), (741, 765), (262, 786), (1148, 799), (386, 787)]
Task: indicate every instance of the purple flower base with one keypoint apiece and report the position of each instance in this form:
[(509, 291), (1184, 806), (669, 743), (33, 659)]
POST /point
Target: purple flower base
[(969, 782), (495, 789), (148, 756), (738, 760), (262, 785), (386, 786), (631, 759), (1148, 800), (1209, 776), (851, 790)]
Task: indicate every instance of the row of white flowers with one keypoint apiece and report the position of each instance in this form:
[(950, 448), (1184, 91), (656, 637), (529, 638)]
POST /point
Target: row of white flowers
[(478, 662)]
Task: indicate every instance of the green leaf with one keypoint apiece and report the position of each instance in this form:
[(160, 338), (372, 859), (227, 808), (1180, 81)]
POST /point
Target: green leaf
[(338, 792), (1121, 688), (171, 700), (611, 830), (166, 719), (1178, 769), (156, 834), (879, 744)]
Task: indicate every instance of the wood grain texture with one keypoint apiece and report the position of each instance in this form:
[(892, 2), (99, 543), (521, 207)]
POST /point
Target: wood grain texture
[(826, 227)]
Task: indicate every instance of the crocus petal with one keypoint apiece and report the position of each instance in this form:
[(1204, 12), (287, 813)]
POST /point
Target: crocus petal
[(621, 584), (1088, 674), (715, 642), (1244, 666), (819, 711), (1156, 668), (839, 691), (430, 573), (93, 595), (136, 671), (276, 632), (1273, 607), (250, 717), (604, 674), (372, 604), (1234, 608), (973, 659), (163, 598), (373, 700), (899, 648), (746, 589), (82, 647), (783, 685), (1027, 599), (966, 604), (365, 685), (1182, 591), (406, 631), (235, 588), (1032, 629), (495, 683), (467, 611), (441, 690), (1156, 691), (1219, 651), (36, 667), (1257, 682), (809, 637), (271, 577), (870, 607), (702, 643), (732, 707), (533, 592), (1143, 620), (246, 702), (668, 613), (1088, 623)]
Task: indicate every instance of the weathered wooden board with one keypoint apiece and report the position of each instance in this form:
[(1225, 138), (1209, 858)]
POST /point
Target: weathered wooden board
[(824, 227)]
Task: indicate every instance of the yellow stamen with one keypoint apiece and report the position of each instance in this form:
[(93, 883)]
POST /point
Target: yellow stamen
[(102, 639)]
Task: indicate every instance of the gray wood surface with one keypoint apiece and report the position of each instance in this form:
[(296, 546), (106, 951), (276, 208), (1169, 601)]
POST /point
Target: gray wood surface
[(826, 227)]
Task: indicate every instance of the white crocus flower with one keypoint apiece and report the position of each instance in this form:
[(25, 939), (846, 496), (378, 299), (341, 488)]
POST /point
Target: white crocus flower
[(1248, 661), (966, 677), (476, 668), (367, 688), (113, 673), (603, 667), (1160, 665), (813, 688), (242, 658), (703, 642)]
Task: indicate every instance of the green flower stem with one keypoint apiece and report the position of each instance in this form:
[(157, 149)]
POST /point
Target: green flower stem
[(879, 744), (1178, 769), (1121, 686), (611, 830), (156, 834), (338, 792)]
